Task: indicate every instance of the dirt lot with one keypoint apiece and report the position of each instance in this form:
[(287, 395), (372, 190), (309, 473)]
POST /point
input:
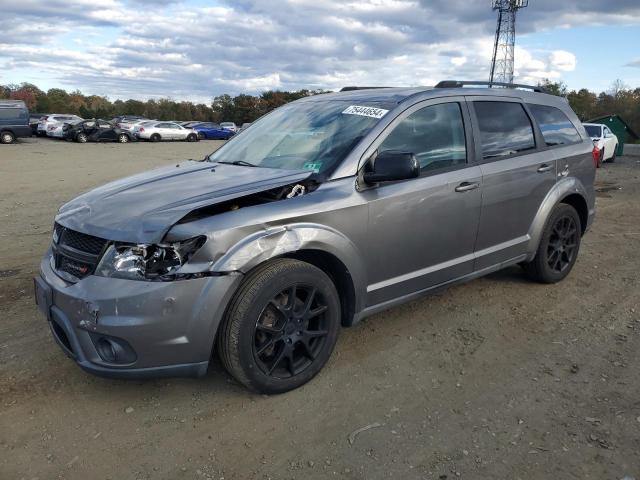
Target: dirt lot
[(496, 379)]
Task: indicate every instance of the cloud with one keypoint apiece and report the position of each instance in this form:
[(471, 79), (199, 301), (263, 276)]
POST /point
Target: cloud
[(141, 48)]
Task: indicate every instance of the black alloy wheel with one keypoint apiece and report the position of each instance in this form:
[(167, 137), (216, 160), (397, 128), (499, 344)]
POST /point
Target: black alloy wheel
[(559, 246), (291, 331), (281, 326), (563, 243)]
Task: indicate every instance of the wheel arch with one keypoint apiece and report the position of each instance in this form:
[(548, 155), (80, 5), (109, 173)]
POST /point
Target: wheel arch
[(339, 275), (579, 203), (318, 245), (569, 191)]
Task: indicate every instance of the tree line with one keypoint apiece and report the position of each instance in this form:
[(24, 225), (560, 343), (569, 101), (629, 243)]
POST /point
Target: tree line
[(224, 108), (619, 99)]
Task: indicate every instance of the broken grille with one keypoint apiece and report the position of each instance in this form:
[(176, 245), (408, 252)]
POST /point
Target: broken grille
[(75, 254)]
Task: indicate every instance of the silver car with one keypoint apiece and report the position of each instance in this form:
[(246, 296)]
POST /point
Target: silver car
[(158, 130), (51, 125), (325, 211)]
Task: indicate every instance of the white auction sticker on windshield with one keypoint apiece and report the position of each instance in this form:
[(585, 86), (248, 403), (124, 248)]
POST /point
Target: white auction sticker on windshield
[(366, 111)]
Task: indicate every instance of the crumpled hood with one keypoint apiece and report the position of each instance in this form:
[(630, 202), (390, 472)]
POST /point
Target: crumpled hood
[(142, 208)]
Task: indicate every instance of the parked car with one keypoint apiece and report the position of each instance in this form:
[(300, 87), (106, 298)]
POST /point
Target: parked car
[(128, 123), (229, 126), (605, 140), (14, 120), (34, 119), (157, 131), (57, 130), (244, 127), (326, 211), (55, 120), (96, 131), (189, 124), (212, 131)]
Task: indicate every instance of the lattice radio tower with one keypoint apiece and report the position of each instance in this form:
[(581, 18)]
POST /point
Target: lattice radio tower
[(503, 50)]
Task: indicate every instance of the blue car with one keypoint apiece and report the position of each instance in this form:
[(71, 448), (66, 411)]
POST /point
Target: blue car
[(212, 131)]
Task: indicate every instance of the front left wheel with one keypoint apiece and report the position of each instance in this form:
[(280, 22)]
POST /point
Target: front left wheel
[(123, 138), (281, 326)]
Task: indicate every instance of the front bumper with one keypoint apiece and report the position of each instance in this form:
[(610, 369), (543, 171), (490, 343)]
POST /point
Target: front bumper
[(166, 328)]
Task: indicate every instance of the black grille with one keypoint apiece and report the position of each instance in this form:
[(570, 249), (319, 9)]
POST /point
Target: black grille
[(76, 254), (83, 242)]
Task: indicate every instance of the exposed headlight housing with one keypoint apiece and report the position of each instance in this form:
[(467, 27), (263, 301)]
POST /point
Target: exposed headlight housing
[(147, 262)]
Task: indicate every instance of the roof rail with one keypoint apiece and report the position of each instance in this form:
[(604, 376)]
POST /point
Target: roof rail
[(351, 89), (460, 84)]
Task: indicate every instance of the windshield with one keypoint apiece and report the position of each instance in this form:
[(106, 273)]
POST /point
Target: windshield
[(313, 136), (593, 130)]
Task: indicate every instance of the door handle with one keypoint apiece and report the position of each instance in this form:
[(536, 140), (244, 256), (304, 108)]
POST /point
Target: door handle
[(467, 186), (544, 168)]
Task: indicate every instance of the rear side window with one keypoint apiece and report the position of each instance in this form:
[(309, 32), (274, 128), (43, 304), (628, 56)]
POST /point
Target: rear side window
[(435, 134), (505, 129), (9, 113), (556, 127)]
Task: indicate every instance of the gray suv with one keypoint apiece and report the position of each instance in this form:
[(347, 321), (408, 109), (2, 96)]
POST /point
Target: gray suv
[(325, 211)]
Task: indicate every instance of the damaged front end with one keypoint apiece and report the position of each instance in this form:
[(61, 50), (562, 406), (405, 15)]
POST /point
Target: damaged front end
[(147, 262)]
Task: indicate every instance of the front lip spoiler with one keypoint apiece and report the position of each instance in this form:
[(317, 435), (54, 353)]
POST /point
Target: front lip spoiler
[(183, 370)]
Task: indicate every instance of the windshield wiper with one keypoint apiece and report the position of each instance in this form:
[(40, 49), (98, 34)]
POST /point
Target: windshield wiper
[(239, 162)]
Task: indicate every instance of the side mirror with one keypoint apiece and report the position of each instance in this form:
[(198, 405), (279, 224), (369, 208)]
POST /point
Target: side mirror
[(392, 165)]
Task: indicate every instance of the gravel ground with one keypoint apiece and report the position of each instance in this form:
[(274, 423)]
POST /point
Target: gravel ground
[(499, 378)]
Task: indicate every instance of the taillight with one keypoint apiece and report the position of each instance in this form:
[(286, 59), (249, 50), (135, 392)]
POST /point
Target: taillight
[(596, 155), (141, 129)]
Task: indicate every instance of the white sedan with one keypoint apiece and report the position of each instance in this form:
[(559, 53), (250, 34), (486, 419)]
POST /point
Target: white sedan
[(604, 139), (157, 131)]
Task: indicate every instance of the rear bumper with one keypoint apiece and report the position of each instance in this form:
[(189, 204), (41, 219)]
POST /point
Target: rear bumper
[(161, 328)]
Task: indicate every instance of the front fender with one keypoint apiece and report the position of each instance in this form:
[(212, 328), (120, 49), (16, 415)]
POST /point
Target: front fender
[(559, 192), (274, 242)]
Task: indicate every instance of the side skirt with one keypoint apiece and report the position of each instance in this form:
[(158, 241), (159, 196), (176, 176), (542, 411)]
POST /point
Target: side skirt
[(373, 309)]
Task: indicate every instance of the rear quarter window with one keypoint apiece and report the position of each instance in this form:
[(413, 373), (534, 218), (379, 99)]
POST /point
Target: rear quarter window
[(505, 129), (556, 127)]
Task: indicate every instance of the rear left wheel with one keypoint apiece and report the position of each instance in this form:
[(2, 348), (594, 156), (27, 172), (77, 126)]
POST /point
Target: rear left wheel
[(615, 153), (281, 326), (123, 138), (559, 246)]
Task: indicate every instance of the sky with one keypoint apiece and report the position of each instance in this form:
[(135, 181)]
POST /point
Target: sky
[(197, 49)]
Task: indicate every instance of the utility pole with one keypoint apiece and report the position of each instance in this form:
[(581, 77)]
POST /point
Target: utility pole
[(504, 47)]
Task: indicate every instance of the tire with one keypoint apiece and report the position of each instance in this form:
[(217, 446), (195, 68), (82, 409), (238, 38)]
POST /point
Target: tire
[(123, 138), (615, 154), (82, 138), (559, 246), (201, 136), (7, 137), (155, 137), (272, 345), (192, 137)]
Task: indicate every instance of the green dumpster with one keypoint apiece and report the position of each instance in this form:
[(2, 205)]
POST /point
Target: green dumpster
[(620, 128)]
